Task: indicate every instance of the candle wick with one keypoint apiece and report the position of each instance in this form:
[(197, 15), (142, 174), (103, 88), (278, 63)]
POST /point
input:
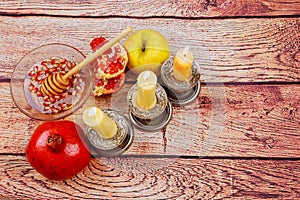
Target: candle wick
[(147, 75), (92, 112), (185, 51)]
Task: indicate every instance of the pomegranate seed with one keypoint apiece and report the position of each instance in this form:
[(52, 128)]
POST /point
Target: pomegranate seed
[(30, 87), (121, 59), (46, 108), (73, 64), (39, 73), (109, 85), (47, 73), (63, 95), (31, 73), (36, 68), (112, 71), (63, 105), (44, 63), (46, 98), (52, 99), (52, 70), (55, 65), (107, 70), (53, 61), (69, 65), (121, 67), (57, 97), (34, 90), (46, 103), (45, 68), (100, 83), (38, 78), (33, 77), (62, 61), (54, 110), (39, 93), (63, 66)]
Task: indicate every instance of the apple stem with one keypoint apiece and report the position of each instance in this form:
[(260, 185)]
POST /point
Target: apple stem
[(54, 142)]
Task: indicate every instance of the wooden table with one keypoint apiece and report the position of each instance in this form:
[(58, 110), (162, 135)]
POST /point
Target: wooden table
[(239, 140)]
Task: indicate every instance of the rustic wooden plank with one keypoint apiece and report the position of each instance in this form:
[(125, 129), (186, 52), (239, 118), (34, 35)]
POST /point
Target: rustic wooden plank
[(149, 8), (232, 50), (157, 178), (241, 121)]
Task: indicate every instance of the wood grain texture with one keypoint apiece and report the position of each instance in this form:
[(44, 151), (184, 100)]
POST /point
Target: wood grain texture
[(240, 121), (249, 131), (150, 8), (232, 50), (146, 178)]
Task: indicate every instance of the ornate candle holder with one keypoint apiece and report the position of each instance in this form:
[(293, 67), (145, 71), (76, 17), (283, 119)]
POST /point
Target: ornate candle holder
[(116, 145), (180, 93), (153, 119)]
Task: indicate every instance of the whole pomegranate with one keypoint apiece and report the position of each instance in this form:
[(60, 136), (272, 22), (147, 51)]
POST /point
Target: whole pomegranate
[(56, 150)]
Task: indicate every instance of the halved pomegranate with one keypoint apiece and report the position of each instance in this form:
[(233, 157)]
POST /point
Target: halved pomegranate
[(112, 63), (109, 68)]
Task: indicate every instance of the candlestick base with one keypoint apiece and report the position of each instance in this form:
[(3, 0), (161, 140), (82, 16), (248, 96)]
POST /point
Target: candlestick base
[(183, 98), (153, 119), (180, 93), (113, 146), (153, 124)]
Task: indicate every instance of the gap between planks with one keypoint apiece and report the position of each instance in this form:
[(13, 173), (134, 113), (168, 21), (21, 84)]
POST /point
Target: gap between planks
[(149, 156)]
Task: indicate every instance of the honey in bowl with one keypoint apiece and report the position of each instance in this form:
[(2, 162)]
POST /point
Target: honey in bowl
[(52, 104)]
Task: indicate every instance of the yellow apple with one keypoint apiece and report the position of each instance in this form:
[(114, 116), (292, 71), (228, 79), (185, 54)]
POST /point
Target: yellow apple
[(147, 49)]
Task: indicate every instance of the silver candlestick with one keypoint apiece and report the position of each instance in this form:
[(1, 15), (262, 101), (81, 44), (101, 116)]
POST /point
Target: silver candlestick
[(116, 145), (180, 93), (153, 119)]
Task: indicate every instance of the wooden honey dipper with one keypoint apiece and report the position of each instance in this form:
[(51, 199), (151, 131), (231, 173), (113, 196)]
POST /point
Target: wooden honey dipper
[(56, 84)]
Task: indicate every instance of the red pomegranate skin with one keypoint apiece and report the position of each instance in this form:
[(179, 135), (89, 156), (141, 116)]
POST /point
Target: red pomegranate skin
[(56, 150)]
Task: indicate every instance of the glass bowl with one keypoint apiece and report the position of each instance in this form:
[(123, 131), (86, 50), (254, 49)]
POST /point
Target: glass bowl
[(32, 104)]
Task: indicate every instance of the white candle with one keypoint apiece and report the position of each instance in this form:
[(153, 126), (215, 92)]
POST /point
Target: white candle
[(146, 83), (100, 122)]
